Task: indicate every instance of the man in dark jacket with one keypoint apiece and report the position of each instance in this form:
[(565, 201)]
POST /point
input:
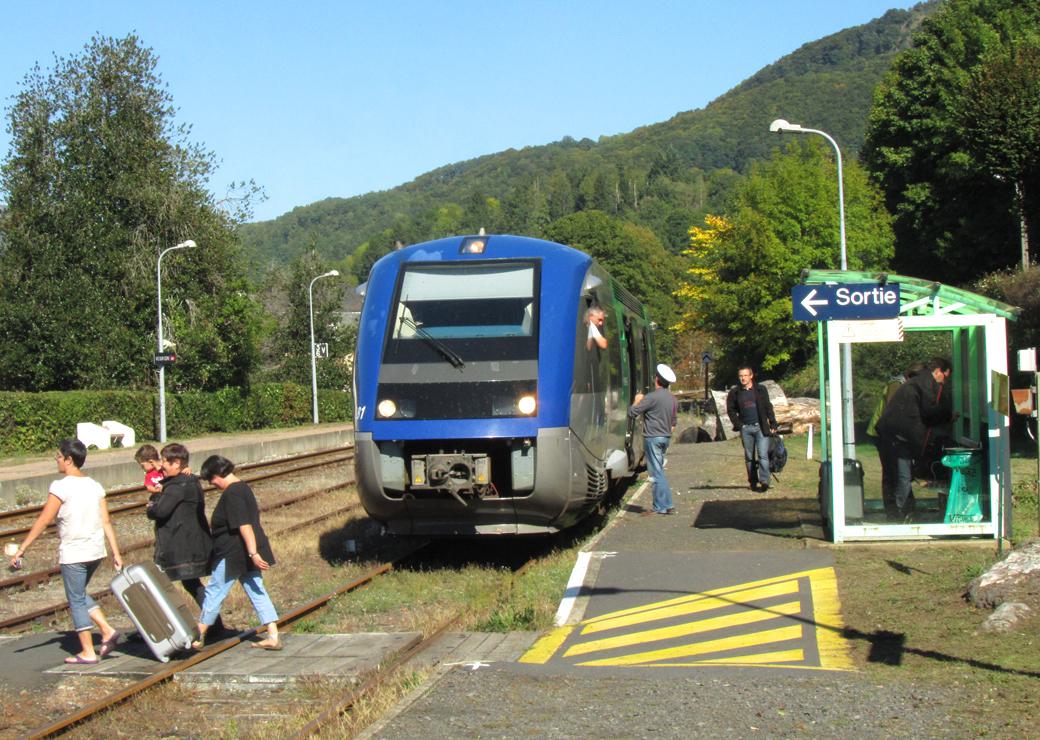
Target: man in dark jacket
[(751, 413), (182, 538), (906, 424)]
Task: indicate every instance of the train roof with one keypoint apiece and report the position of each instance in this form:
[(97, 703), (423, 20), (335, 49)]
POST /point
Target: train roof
[(496, 246)]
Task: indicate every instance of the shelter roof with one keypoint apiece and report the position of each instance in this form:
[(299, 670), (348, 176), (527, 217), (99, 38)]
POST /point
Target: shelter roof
[(919, 297)]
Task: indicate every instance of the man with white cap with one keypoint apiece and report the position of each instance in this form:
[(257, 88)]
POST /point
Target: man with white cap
[(658, 409)]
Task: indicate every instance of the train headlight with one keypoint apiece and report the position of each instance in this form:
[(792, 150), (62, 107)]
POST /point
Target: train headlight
[(527, 405), (386, 408)]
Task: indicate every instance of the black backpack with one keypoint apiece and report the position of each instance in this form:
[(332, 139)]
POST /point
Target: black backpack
[(777, 454)]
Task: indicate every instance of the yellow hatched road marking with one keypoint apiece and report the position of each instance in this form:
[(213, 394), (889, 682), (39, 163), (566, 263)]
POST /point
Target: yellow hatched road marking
[(826, 615), (724, 591), (823, 625), (545, 646), (744, 618), (702, 648), (777, 656), (655, 612)]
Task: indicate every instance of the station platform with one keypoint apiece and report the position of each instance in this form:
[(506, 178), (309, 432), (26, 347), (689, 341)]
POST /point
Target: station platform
[(33, 661), (29, 479), (733, 595)]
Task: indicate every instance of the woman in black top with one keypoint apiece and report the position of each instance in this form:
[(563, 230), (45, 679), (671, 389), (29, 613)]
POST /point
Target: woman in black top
[(240, 551)]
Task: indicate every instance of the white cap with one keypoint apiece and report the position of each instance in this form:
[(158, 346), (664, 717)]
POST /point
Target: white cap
[(666, 373)]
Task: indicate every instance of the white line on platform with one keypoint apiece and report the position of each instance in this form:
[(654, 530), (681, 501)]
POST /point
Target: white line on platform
[(575, 585)]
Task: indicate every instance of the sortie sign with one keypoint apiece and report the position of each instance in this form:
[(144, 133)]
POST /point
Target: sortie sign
[(853, 301)]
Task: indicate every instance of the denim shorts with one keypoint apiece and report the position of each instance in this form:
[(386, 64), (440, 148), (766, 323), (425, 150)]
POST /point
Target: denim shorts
[(76, 576)]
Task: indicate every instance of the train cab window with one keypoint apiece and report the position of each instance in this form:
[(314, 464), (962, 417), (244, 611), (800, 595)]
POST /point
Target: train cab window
[(479, 310)]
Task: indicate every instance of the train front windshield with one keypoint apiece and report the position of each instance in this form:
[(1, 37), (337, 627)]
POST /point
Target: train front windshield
[(460, 313), (462, 342)]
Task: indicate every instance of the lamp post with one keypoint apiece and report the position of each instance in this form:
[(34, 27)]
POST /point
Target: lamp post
[(162, 365), (780, 126), (314, 364)]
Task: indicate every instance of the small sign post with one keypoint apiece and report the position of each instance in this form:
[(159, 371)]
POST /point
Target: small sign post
[(164, 359), (321, 350)]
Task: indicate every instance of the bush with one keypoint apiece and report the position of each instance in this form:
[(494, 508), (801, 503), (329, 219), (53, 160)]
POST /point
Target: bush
[(1019, 288), (35, 422)]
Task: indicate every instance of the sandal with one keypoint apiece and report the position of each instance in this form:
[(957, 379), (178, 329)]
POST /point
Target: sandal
[(268, 646), (110, 644), (78, 660)]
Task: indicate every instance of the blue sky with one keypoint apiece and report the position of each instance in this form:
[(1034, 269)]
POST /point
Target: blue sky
[(333, 99)]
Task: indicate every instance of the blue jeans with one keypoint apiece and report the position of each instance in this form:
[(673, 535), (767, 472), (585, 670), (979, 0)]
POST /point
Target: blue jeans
[(903, 460), (76, 576), (219, 587), (654, 448), (755, 441)]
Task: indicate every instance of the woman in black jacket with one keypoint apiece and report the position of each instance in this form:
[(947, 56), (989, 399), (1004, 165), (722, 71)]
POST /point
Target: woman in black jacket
[(182, 538)]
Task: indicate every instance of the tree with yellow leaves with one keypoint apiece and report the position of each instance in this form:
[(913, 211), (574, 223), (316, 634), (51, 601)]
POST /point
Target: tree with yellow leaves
[(741, 267)]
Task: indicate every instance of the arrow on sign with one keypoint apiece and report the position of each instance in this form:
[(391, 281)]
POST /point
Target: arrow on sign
[(808, 302)]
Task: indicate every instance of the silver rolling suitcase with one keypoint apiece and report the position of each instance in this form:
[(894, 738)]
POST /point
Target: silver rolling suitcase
[(156, 607)]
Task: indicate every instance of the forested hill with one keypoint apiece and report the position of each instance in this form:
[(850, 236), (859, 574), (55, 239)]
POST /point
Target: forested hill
[(664, 176)]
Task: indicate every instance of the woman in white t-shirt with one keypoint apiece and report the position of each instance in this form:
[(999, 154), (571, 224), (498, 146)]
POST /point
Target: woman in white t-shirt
[(78, 503)]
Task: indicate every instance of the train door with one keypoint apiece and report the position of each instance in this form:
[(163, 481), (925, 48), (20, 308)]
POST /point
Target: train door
[(596, 338), (632, 340)]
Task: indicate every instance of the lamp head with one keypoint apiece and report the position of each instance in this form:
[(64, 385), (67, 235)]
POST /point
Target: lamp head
[(187, 243), (332, 273), (780, 126)]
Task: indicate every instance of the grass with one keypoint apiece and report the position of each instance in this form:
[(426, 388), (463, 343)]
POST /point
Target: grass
[(909, 623)]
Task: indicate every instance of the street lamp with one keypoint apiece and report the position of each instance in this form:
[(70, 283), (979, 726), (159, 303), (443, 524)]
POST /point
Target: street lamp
[(780, 126), (162, 365), (314, 364)]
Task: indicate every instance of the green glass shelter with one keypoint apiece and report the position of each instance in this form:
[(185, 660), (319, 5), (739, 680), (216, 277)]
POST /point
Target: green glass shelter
[(963, 486)]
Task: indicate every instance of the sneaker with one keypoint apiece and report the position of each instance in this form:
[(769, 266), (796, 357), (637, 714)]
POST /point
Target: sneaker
[(763, 488)]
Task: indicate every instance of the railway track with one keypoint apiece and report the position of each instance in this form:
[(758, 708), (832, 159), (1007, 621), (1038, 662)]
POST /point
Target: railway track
[(42, 576), (30, 513), (58, 608), (370, 682), (388, 671), (168, 672)]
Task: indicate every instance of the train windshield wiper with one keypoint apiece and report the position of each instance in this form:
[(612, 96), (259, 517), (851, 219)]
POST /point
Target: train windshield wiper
[(445, 351)]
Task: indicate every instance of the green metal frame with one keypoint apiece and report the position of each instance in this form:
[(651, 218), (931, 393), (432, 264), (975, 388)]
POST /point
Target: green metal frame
[(926, 304)]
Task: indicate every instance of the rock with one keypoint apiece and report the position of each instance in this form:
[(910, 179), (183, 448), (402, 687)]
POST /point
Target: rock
[(1015, 578), (1007, 617), (693, 434)]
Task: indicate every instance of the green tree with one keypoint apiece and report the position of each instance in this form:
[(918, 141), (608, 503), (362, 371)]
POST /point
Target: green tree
[(1000, 113), (294, 333), (98, 181), (785, 219), (953, 219), (561, 195), (634, 256)]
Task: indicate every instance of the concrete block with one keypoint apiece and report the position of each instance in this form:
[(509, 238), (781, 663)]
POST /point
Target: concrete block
[(126, 435), (93, 435)]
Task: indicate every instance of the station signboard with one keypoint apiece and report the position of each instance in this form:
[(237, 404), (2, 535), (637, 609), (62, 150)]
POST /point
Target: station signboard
[(845, 301)]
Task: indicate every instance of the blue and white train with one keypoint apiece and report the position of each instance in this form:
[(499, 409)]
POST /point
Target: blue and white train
[(482, 405)]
